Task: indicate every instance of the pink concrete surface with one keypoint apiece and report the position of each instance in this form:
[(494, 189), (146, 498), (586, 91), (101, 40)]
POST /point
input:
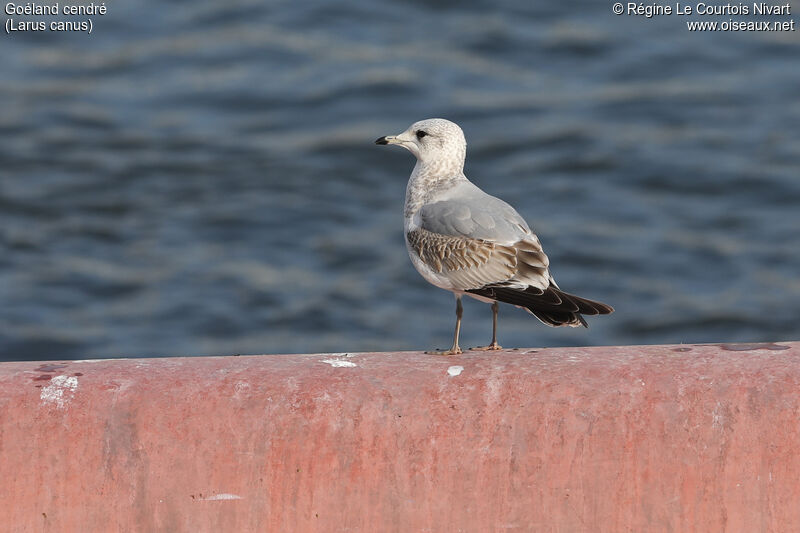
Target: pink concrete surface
[(690, 438)]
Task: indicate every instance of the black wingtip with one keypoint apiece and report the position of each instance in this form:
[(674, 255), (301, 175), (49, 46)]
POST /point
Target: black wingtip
[(381, 140), (553, 306)]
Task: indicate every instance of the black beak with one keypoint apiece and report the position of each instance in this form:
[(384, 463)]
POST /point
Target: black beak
[(382, 140)]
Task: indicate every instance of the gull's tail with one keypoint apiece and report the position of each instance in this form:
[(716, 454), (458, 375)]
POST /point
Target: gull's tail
[(553, 306)]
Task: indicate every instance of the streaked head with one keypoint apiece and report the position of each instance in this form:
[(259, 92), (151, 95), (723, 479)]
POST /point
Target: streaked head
[(433, 139)]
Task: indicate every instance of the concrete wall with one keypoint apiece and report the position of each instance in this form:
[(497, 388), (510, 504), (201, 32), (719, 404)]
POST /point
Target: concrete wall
[(609, 439)]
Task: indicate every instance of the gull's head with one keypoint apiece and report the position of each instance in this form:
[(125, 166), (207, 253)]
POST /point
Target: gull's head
[(433, 139)]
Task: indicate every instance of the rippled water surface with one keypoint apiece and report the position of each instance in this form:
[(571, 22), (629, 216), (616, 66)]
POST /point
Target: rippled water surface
[(200, 178)]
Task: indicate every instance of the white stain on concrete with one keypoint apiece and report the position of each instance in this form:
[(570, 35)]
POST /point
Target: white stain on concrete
[(241, 390), (339, 363), (96, 360), (221, 497), (340, 354), (60, 390), (455, 370), (719, 416)]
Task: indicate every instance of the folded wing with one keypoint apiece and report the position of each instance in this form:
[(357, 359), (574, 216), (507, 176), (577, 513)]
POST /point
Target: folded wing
[(485, 248)]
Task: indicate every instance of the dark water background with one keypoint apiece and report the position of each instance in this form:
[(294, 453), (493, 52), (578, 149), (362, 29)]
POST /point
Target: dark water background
[(199, 177)]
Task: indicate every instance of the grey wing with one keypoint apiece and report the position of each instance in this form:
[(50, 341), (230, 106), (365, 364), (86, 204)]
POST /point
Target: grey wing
[(475, 217), (477, 240)]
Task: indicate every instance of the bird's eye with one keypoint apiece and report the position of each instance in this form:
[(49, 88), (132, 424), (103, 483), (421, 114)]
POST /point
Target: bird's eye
[(421, 134)]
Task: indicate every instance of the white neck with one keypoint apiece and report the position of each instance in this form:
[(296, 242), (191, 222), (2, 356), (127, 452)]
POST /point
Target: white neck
[(430, 180)]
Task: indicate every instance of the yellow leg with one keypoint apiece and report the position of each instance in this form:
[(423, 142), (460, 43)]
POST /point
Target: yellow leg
[(455, 349), (493, 345)]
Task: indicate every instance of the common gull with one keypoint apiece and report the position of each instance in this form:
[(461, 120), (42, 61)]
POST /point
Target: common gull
[(469, 242)]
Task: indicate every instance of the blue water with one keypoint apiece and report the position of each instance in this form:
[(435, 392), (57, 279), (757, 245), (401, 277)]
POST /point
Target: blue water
[(200, 177)]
